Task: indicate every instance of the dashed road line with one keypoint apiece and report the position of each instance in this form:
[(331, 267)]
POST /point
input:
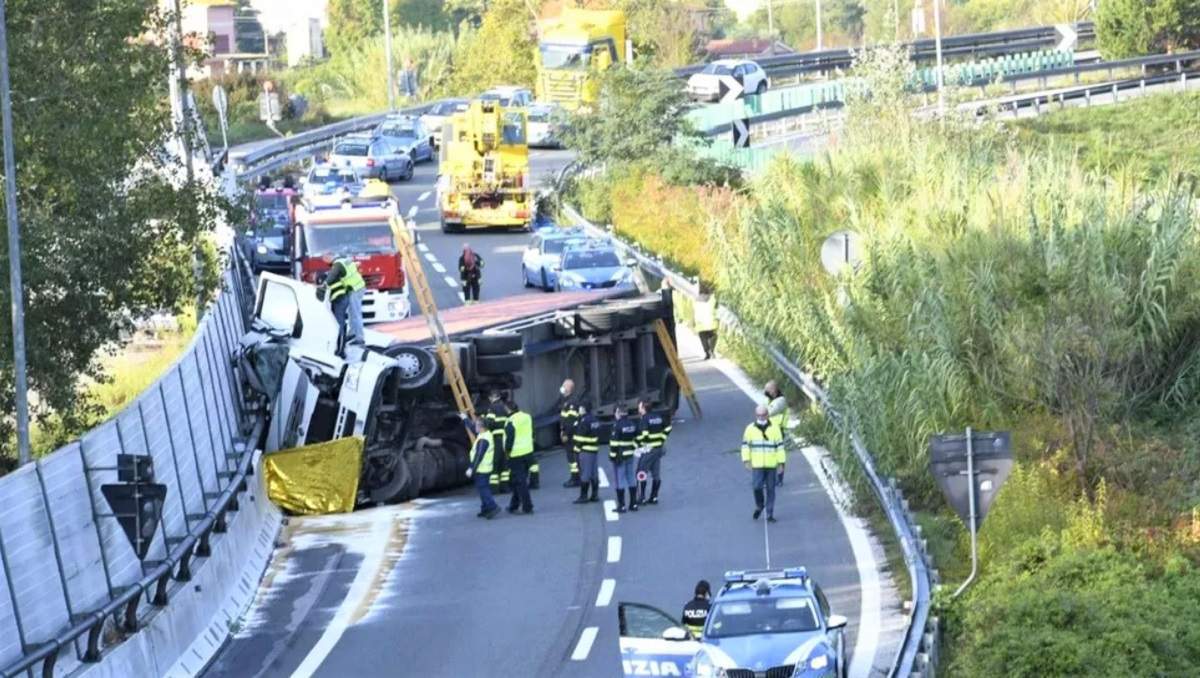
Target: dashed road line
[(430, 257), (603, 477), (423, 197), (438, 267), (610, 510), (604, 597), (614, 549), (423, 247), (451, 281), (584, 647)]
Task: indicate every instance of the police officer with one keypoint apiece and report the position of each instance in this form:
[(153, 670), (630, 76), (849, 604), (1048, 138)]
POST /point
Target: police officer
[(518, 433), (496, 417), (568, 414), (762, 453), (655, 427), (621, 445), (482, 458), (587, 433), (346, 289), (777, 410), (695, 613)]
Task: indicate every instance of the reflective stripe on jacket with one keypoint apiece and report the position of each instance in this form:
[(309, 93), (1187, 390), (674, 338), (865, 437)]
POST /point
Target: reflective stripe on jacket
[(522, 429), (484, 451), (350, 280), (656, 426), (587, 434), (763, 448), (624, 439)]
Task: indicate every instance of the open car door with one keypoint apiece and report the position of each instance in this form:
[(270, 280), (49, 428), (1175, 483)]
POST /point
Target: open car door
[(653, 643)]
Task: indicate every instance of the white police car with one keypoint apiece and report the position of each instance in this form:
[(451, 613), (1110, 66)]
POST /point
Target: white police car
[(542, 259), (762, 624)]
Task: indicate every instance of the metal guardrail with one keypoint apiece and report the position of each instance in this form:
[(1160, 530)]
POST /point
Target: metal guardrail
[(203, 457), (919, 650), (1086, 92)]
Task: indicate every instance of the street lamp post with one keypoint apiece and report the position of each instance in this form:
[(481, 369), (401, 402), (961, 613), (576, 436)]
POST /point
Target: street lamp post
[(937, 40), (820, 35), (387, 48), (20, 381)]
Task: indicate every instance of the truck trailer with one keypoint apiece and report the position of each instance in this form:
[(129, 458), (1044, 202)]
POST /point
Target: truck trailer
[(394, 394)]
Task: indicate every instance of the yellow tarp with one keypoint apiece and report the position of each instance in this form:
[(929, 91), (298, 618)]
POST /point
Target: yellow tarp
[(315, 479)]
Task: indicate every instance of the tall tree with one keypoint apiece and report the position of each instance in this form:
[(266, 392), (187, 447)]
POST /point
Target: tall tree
[(426, 13), (1127, 28), (350, 21), (500, 52), (108, 232), (250, 37)]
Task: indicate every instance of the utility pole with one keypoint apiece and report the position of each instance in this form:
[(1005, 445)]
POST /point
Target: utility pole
[(14, 249), (387, 48), (178, 87), (771, 25), (820, 40), (937, 29)]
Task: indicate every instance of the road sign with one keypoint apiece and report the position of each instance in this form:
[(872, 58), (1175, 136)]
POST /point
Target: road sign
[(1069, 38), (741, 133), (729, 88), (268, 107), (138, 509), (840, 251), (992, 462)]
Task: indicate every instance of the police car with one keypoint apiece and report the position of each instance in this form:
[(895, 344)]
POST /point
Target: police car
[(762, 624)]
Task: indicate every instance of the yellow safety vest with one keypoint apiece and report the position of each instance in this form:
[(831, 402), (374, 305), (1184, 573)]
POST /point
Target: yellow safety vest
[(485, 464), (352, 281), (763, 449), (779, 419), (522, 425)]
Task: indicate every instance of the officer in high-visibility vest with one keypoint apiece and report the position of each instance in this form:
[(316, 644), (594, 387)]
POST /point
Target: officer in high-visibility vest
[(762, 453), (496, 417), (695, 613), (480, 470), (568, 414), (777, 411), (346, 290), (655, 427), (622, 442), (519, 435), (587, 433)]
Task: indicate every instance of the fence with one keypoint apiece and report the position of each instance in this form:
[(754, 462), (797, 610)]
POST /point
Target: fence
[(68, 568)]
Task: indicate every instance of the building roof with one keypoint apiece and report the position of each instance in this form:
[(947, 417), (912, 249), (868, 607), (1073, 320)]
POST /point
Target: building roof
[(730, 48)]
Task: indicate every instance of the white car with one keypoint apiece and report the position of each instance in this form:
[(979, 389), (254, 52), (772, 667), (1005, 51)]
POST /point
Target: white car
[(510, 95), (437, 115), (542, 260), (709, 85), (373, 157), (544, 121)]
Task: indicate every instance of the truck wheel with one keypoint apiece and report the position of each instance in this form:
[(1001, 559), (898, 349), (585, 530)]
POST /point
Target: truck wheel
[(417, 366), (499, 343), (496, 365), (391, 485)]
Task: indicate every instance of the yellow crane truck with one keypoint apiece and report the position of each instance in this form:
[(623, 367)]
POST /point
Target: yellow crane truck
[(484, 170), (572, 48)]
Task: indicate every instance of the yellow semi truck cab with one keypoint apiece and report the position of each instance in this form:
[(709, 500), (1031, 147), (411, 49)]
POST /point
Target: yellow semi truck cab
[(484, 169), (572, 48)]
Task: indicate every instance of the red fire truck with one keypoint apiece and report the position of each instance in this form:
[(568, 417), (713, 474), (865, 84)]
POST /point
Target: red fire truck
[(364, 229)]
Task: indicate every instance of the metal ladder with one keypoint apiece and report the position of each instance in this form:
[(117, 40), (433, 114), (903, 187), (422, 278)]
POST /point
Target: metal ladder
[(681, 377), (420, 287)]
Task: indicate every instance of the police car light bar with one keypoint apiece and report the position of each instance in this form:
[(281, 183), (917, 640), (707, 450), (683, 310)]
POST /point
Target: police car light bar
[(751, 576), (351, 203)]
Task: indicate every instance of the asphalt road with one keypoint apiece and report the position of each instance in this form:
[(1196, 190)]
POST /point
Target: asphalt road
[(427, 589)]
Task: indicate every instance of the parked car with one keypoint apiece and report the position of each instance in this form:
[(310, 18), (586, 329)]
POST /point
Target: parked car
[(373, 157), (706, 85), (592, 265), (326, 179), (407, 134), (543, 126), (436, 117), (510, 95), (542, 260)]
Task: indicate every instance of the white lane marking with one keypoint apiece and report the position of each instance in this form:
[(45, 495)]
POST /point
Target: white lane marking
[(423, 197), (614, 549), (604, 597), (451, 281), (870, 611), (423, 247), (610, 510), (438, 267), (429, 257), (603, 477), (509, 249), (360, 588), (584, 647)]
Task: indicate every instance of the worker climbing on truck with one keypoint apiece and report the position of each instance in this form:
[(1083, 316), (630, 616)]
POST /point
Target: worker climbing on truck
[(345, 287)]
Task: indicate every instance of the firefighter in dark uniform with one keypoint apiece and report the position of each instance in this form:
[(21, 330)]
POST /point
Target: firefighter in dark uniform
[(496, 418), (655, 427), (695, 613), (519, 435), (568, 414), (621, 445), (587, 433)]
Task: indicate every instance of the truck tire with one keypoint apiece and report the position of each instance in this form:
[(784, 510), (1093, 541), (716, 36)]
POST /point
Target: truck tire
[(596, 321), (499, 343), (392, 487), (496, 365), (418, 367)]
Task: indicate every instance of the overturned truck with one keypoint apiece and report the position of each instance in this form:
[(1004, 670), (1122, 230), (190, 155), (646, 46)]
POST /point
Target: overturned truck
[(393, 393)]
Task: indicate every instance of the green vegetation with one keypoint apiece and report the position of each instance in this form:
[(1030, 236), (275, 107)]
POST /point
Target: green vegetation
[(109, 230), (1128, 28), (1147, 139)]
